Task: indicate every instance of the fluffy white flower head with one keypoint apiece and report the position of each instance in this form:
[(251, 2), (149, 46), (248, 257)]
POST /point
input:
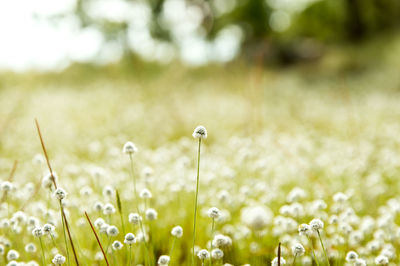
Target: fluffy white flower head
[(200, 132), (129, 148), (58, 259), (177, 231)]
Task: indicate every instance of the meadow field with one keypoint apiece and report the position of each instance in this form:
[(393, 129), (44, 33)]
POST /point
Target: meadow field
[(306, 158)]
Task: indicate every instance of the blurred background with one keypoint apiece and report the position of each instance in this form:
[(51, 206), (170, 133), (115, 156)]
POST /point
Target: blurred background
[(95, 67), (49, 35)]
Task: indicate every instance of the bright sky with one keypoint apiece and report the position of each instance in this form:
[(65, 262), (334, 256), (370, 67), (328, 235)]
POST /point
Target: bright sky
[(30, 41)]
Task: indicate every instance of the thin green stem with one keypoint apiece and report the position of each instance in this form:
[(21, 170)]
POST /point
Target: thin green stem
[(212, 235), (130, 255), (195, 203), (65, 237), (323, 248), (172, 248), (294, 260), (137, 208), (312, 248), (43, 254)]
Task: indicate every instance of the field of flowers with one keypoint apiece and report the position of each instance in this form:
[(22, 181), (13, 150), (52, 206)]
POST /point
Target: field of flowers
[(313, 164)]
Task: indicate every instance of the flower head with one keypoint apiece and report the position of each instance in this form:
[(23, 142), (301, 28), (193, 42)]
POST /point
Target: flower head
[(200, 132), (129, 148), (130, 239), (298, 249), (274, 262), (316, 224), (58, 259), (177, 231), (116, 245), (37, 232), (134, 218), (163, 260), (60, 193), (203, 254), (112, 230), (351, 256), (214, 213), (217, 254)]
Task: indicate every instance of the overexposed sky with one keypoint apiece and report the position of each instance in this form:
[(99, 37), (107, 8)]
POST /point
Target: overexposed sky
[(29, 40)]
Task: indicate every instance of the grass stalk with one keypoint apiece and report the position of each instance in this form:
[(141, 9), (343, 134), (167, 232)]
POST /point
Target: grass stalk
[(195, 202), (97, 238), (323, 248)]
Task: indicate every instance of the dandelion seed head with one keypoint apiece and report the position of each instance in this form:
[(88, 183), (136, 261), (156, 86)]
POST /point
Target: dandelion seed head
[(217, 254), (214, 213), (112, 230), (129, 148), (200, 132), (163, 260), (58, 259), (116, 245), (12, 255), (177, 231), (134, 218), (298, 249), (151, 214), (130, 239), (203, 254), (60, 193), (37, 232), (316, 224)]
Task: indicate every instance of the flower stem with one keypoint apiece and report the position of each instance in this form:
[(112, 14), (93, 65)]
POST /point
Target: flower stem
[(294, 260), (312, 248), (195, 203), (138, 211), (43, 255), (323, 248)]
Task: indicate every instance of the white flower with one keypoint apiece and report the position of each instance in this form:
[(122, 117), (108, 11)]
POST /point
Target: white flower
[(129, 148), (48, 229), (305, 230), (177, 231), (48, 180), (316, 224), (130, 239), (116, 245), (203, 254), (108, 209), (163, 260), (134, 218), (200, 132), (30, 247), (217, 254), (12, 255), (221, 241), (37, 232), (213, 213), (99, 222), (58, 259), (340, 197), (6, 186), (98, 206), (360, 262), (112, 230), (298, 249), (60, 193), (381, 260), (145, 194), (151, 214), (351, 256), (274, 262), (256, 217)]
